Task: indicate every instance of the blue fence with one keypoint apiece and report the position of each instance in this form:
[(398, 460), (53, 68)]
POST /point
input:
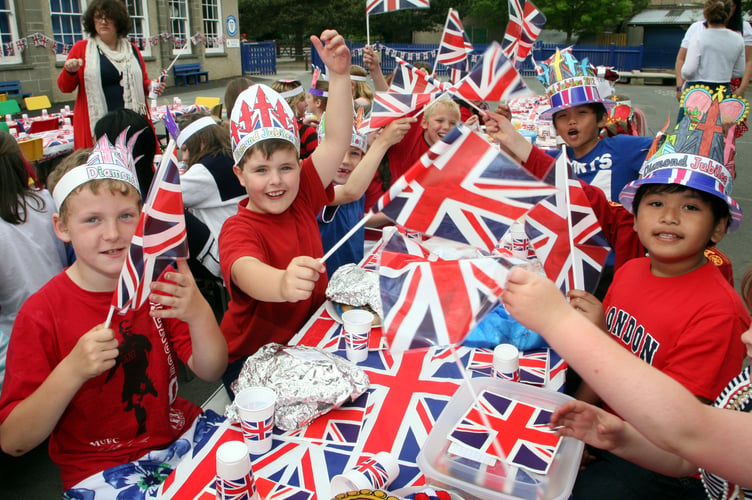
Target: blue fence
[(619, 57), (259, 58)]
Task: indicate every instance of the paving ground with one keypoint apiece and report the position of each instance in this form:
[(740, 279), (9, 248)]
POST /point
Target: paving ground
[(35, 477)]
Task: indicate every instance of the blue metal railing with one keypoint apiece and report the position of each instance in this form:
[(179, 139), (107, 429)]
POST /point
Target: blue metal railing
[(259, 58)]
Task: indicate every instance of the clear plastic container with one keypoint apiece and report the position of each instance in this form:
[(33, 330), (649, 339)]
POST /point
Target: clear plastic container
[(474, 480)]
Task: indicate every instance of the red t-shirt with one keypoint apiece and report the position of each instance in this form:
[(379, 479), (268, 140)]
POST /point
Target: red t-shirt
[(274, 239), (119, 415)]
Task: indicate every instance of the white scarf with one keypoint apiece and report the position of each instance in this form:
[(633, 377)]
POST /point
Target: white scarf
[(127, 64)]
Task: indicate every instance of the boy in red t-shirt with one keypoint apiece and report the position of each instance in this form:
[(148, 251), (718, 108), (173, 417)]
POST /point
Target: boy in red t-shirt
[(270, 250), (104, 396)]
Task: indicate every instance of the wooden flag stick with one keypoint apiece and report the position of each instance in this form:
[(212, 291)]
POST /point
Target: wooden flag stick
[(346, 237)]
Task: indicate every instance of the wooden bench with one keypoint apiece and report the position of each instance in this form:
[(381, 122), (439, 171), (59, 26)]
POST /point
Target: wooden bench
[(13, 89), (184, 72)]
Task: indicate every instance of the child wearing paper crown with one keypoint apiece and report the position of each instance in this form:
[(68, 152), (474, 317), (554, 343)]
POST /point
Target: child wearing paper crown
[(356, 171), (270, 250), (105, 396), (677, 434), (680, 206), (295, 95)]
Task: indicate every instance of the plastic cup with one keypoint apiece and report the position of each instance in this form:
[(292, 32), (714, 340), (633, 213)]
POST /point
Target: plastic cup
[(154, 90), (506, 362), (356, 325), (375, 473), (234, 473), (256, 412)]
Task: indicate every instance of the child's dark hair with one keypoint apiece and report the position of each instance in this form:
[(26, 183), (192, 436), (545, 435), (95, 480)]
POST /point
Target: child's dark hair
[(209, 141), (16, 196), (267, 148), (597, 107), (717, 205), (145, 147), (717, 11)]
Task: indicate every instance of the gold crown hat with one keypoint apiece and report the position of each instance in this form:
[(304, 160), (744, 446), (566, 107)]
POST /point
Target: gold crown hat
[(569, 82), (696, 153)]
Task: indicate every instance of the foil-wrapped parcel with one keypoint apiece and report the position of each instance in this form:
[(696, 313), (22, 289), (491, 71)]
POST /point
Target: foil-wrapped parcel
[(308, 381), (352, 285)]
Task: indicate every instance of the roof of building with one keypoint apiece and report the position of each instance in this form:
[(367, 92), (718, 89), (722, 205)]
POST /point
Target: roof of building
[(677, 15)]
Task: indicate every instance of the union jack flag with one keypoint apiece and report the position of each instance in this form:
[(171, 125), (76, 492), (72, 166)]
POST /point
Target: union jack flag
[(381, 6), (534, 367), (455, 45), (375, 472), (433, 302), (389, 106), (525, 25), (571, 246), (256, 431), (493, 78), (236, 489), (160, 236), (410, 80), (520, 429), (465, 190)]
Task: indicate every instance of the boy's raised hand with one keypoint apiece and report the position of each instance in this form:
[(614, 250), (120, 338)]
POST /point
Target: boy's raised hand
[(590, 424), (300, 278), (94, 353), (179, 295), (335, 54)]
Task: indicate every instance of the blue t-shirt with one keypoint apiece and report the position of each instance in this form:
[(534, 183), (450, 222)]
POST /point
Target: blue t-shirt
[(334, 222), (613, 163)]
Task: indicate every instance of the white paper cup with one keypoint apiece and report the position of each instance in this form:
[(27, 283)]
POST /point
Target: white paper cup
[(506, 362), (356, 325), (234, 473), (374, 473), (256, 412)]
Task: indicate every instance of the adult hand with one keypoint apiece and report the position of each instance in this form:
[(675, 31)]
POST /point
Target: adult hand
[(72, 65), (335, 54), (526, 294), (300, 278)]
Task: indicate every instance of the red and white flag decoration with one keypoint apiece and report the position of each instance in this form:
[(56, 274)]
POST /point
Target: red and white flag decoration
[(571, 246), (159, 239), (381, 6), (429, 301), (455, 45), (493, 78), (464, 190), (525, 25)]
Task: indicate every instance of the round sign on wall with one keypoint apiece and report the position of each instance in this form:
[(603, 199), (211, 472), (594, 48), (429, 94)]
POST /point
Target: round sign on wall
[(231, 25)]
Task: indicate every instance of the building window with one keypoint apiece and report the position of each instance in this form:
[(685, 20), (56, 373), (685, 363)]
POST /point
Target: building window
[(66, 24), (181, 28), (9, 53), (140, 20), (212, 15)]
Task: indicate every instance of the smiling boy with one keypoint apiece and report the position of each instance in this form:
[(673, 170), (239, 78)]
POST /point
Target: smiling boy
[(270, 250)]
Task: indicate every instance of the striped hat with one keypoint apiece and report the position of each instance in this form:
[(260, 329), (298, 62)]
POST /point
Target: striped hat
[(694, 156), (569, 82)]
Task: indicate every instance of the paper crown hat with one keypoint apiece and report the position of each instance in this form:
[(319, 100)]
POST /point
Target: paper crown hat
[(569, 82), (695, 155), (106, 161), (259, 114)]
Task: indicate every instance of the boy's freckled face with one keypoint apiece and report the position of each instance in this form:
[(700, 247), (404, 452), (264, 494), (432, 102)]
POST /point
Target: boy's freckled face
[(271, 183), (349, 162), (675, 229), (579, 128), (441, 120), (100, 227)]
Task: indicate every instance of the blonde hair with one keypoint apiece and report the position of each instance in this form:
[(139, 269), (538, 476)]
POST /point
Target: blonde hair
[(213, 140), (284, 86), (361, 89), (76, 159), (445, 101)]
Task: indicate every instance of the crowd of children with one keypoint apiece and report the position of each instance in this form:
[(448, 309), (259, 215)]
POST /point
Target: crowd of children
[(268, 194)]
